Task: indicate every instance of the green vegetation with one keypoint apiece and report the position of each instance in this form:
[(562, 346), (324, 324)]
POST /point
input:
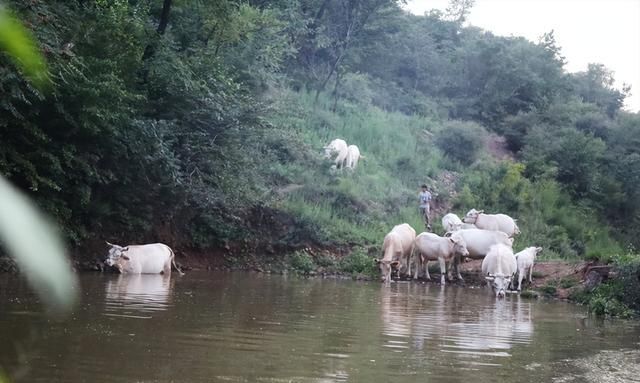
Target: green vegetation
[(358, 262), (24, 230), (301, 263), (549, 290), (202, 125)]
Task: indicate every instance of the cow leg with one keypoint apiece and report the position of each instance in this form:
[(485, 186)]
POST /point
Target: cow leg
[(443, 270), (520, 278), (530, 273), (426, 269), (408, 271), (418, 261), (455, 261)]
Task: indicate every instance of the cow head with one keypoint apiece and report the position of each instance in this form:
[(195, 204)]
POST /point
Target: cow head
[(472, 216), (116, 253), (500, 283), (330, 151), (386, 267), (459, 245), (538, 250)]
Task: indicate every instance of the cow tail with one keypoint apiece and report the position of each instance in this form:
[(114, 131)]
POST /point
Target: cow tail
[(173, 261)]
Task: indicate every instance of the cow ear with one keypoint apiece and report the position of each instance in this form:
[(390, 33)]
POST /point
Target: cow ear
[(480, 211), (489, 278), (126, 258), (377, 261), (125, 248), (538, 249), (110, 244)]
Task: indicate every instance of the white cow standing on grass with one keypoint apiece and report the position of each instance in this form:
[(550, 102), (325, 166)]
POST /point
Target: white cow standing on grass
[(525, 260), (353, 156), (397, 249), (498, 222), (338, 148), (153, 258), (432, 247), (498, 267)]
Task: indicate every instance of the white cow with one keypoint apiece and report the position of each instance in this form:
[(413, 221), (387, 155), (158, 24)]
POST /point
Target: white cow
[(526, 258), (479, 241), (433, 247), (498, 222), (338, 148), (353, 156), (397, 249), (498, 267), (451, 222), (153, 258)]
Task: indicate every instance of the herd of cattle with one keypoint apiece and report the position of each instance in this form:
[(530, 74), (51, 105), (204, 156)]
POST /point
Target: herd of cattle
[(479, 236)]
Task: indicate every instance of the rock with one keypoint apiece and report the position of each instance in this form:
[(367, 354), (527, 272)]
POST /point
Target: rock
[(592, 280)]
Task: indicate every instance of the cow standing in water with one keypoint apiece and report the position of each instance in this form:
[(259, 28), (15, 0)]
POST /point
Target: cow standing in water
[(397, 249), (498, 267), (153, 258)]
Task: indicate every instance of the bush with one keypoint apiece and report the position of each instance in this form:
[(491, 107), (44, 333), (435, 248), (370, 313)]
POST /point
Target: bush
[(358, 262), (629, 280), (461, 141), (568, 282), (301, 263), (549, 290)]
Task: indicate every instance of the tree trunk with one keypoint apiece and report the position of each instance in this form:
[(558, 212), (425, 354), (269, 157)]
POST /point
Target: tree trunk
[(149, 50), (335, 91), (164, 17)]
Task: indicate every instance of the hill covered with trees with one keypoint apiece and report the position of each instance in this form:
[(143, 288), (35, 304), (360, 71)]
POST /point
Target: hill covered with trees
[(201, 124)]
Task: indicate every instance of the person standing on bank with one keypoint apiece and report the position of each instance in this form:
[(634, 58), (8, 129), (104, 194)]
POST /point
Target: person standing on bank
[(425, 208)]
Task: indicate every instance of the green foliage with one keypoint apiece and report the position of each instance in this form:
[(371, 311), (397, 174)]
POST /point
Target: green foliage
[(301, 262), (568, 282), (358, 262), (182, 135), (549, 290), (18, 43), (461, 141)]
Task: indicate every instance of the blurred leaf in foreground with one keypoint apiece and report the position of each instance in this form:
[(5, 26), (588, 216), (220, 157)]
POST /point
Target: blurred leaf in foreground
[(17, 41), (37, 249)]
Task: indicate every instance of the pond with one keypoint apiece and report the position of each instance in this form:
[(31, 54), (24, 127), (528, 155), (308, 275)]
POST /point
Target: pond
[(250, 327)]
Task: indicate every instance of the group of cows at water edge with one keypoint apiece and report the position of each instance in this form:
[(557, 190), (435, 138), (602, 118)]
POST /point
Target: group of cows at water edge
[(481, 236), (478, 236)]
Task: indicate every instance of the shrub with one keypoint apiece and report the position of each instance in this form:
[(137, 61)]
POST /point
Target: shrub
[(461, 141), (549, 290), (358, 262), (568, 282), (301, 263)]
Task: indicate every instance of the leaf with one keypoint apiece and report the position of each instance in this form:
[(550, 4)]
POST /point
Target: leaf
[(16, 40), (32, 242)]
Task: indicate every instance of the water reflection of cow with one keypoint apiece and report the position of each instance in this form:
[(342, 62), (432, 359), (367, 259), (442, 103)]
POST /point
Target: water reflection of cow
[(143, 292), (484, 326)]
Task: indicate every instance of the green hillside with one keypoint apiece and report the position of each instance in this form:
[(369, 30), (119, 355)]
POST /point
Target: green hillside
[(202, 125)]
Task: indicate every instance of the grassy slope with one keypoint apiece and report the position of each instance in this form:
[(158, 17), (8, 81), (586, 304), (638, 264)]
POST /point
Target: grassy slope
[(359, 208), (356, 207)]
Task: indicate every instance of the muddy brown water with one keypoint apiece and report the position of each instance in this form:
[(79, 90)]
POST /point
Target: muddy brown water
[(243, 327)]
